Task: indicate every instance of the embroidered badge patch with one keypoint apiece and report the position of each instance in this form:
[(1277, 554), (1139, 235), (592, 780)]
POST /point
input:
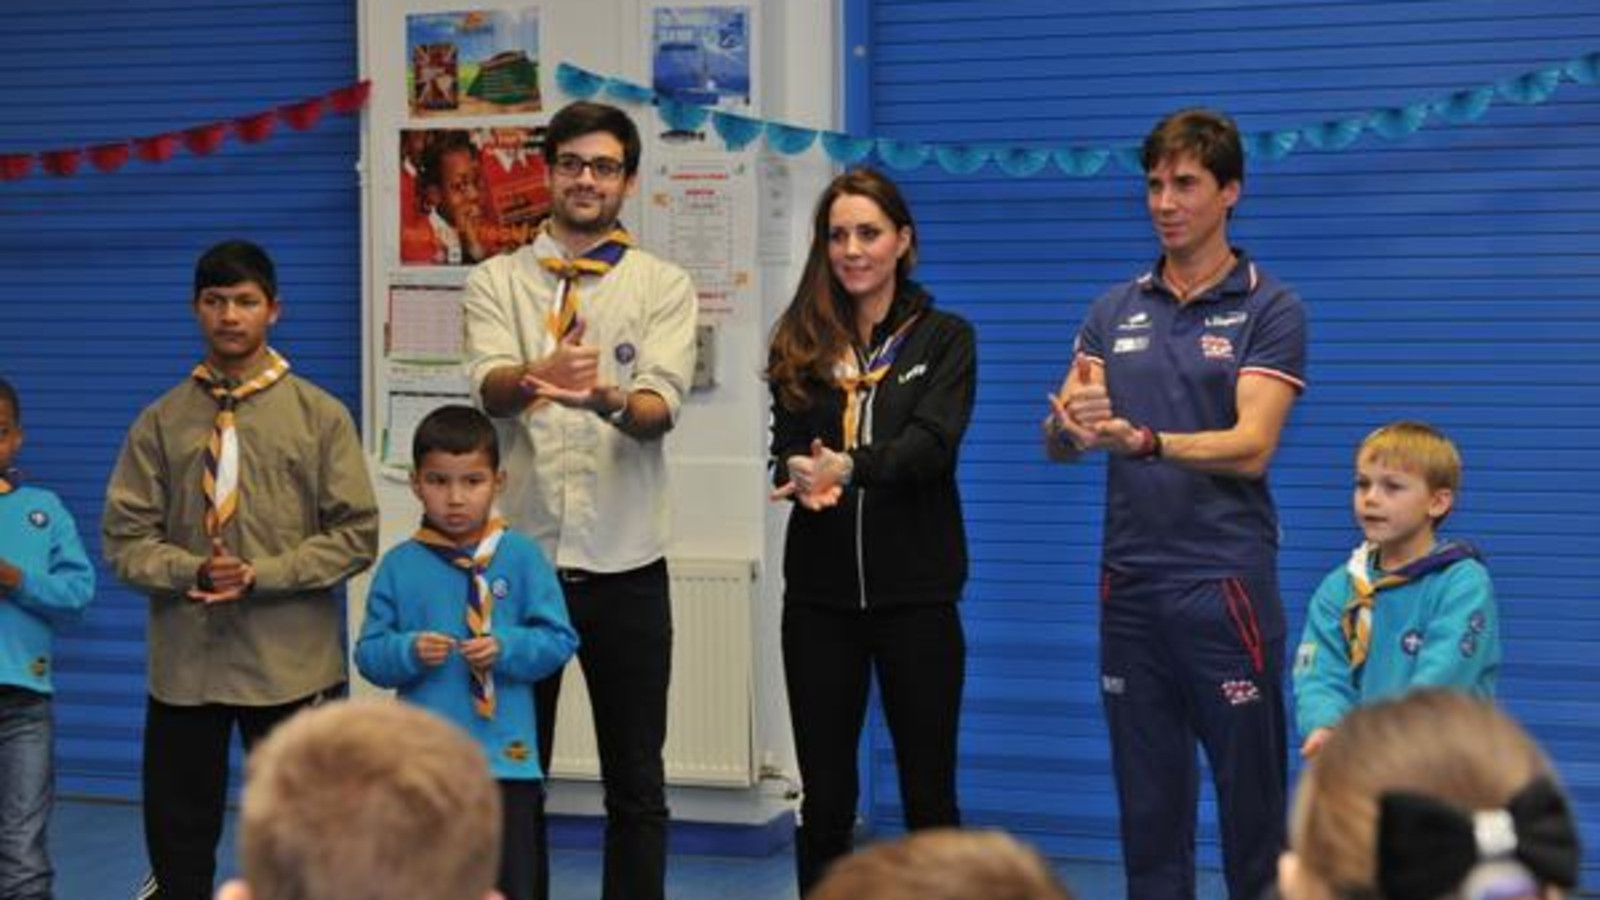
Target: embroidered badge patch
[(1214, 346), (1130, 345), (500, 588), (39, 666), (1228, 320), (1113, 684), (1469, 646), (516, 751), (1241, 691), (38, 518), (1477, 622), (625, 353), (916, 371), (1305, 657), (1411, 642)]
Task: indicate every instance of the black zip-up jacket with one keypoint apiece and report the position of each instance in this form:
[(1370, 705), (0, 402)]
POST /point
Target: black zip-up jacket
[(896, 536)]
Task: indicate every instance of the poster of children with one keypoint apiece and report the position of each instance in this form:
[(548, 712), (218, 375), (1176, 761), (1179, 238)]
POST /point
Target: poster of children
[(701, 54), (480, 63), (468, 194)]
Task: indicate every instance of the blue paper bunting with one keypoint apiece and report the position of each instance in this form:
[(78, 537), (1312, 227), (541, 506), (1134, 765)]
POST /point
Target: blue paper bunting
[(844, 149), (681, 116), (958, 159), (1533, 87), (789, 140), (628, 92), (1393, 123), (1585, 69), (578, 82), (1271, 145), (1020, 162), (1080, 161), (903, 155), (1335, 135), (1462, 107), (736, 131)]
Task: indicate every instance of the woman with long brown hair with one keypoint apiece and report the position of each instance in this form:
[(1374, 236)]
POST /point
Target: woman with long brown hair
[(872, 390)]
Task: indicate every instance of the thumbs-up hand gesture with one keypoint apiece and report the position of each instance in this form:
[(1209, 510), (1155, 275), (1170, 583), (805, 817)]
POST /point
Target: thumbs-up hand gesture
[(1081, 407), (571, 369), (816, 481)]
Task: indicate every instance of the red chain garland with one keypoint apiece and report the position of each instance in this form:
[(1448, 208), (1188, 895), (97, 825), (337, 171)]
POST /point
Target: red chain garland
[(200, 140)]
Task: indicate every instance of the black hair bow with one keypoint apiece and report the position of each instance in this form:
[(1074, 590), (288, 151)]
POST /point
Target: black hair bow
[(1426, 848)]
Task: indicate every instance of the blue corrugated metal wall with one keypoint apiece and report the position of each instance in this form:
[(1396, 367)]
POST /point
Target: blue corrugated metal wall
[(1452, 276), (95, 270)]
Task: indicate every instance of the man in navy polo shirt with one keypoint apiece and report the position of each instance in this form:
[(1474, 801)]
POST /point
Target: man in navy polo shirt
[(1186, 376)]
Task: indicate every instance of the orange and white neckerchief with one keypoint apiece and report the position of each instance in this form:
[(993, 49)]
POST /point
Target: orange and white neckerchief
[(221, 478), (856, 376), (6, 486), (597, 261), (1356, 621), (473, 563)]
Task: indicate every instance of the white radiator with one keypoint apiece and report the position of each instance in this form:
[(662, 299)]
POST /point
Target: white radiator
[(710, 736)]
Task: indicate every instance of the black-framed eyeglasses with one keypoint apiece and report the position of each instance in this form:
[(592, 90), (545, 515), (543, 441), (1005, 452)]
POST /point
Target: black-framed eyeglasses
[(571, 165)]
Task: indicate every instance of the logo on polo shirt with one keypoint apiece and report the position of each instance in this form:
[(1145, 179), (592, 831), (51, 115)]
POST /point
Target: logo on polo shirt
[(1135, 322), (500, 588), (38, 518), (1227, 320), (1240, 691), (916, 371), (1130, 344), (1411, 642), (625, 353), (1213, 346)]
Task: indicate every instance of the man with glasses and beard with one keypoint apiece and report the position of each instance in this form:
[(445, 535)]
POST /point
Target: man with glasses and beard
[(581, 345)]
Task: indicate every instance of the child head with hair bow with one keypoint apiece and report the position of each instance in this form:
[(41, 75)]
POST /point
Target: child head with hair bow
[(1434, 795)]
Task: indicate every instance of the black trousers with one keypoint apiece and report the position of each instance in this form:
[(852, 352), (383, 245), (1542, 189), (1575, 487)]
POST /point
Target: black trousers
[(524, 866), (624, 625), (186, 785), (829, 657)]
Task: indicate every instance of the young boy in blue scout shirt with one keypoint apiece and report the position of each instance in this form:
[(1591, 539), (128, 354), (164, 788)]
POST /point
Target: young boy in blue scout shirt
[(1406, 610), (465, 617), (45, 581)]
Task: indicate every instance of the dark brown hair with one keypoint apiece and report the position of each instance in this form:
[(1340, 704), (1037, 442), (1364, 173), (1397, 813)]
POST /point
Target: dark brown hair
[(819, 322)]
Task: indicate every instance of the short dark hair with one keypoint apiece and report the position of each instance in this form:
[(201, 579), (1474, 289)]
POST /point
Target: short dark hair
[(586, 117), (236, 262), (8, 394), (456, 430), (430, 171), (1211, 136)]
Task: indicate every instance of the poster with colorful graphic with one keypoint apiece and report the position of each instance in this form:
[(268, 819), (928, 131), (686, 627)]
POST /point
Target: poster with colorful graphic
[(701, 54), (467, 194), (481, 63)]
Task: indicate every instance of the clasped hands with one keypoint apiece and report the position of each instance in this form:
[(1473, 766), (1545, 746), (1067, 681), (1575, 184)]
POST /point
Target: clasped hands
[(816, 481), (1082, 415), (570, 376), (434, 648), (223, 577)]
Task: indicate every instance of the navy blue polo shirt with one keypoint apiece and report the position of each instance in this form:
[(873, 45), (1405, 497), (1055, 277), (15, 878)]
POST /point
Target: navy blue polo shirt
[(1176, 368)]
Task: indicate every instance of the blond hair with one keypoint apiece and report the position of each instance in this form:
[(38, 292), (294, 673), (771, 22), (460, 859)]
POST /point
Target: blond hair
[(946, 863), (1445, 745), (1415, 447), (369, 800)]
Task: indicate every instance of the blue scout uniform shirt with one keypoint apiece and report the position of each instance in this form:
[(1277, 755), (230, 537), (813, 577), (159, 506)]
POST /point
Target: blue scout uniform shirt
[(38, 536), (415, 591), (1441, 629), (1176, 368)]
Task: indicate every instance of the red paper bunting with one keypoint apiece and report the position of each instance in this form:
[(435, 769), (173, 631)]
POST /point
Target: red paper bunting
[(302, 115), (349, 99), (156, 148), (203, 139), (109, 157), (61, 162), (15, 165), (256, 128)]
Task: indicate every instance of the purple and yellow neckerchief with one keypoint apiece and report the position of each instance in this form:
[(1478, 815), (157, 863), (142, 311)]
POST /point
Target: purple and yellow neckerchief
[(597, 261), (221, 477), (1356, 620), (480, 597), (857, 375)]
